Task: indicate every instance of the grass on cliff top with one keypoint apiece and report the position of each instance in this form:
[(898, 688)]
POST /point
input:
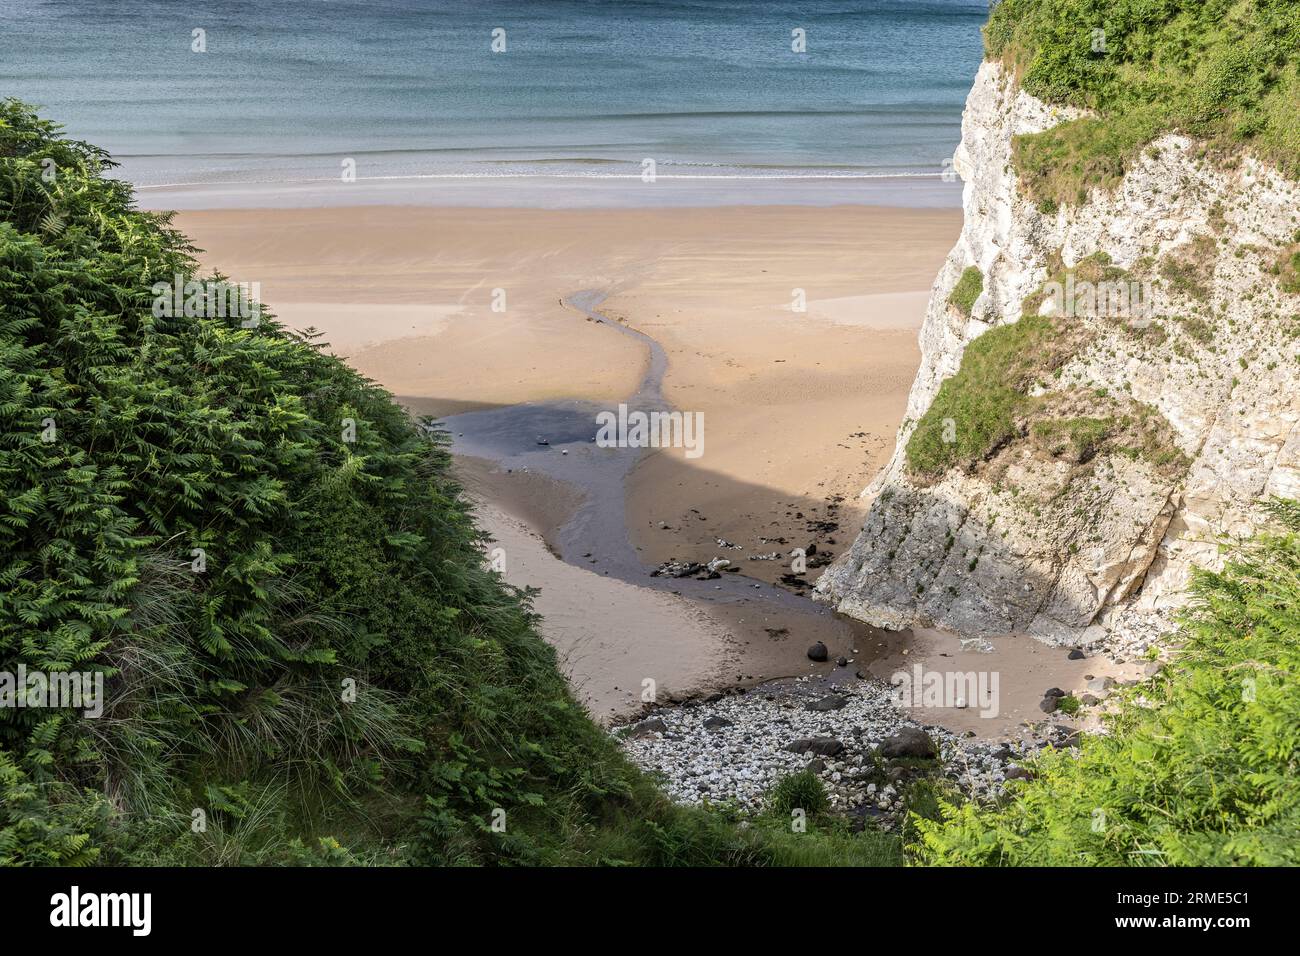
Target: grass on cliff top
[(1205, 777), (1225, 71)]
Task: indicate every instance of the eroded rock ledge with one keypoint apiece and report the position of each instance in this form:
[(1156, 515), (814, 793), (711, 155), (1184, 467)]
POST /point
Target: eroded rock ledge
[(1095, 545)]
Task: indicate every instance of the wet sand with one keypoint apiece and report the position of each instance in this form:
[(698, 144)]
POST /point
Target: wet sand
[(482, 317), (662, 642), (1025, 668), (538, 461)]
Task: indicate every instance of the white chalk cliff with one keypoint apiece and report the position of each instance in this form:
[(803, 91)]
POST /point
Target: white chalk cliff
[(1096, 551)]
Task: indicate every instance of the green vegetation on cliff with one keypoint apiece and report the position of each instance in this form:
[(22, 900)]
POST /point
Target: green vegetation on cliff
[(976, 411), (1200, 766), (269, 564), (987, 404), (968, 288), (1224, 71)]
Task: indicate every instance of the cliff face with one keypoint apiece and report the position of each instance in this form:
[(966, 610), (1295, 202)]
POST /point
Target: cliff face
[(1067, 539)]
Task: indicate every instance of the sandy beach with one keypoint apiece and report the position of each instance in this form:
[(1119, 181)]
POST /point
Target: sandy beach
[(799, 406), (792, 329)]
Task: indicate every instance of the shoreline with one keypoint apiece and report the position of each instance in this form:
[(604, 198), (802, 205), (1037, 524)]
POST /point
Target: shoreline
[(559, 193), (683, 308)]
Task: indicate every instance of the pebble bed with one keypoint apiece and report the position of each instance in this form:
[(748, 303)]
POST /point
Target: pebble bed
[(734, 749)]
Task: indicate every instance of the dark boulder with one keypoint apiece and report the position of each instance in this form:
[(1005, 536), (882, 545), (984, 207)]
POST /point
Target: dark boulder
[(821, 746), (908, 742), (647, 727)]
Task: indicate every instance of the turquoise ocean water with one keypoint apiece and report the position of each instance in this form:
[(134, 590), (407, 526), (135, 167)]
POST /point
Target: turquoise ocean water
[(413, 93)]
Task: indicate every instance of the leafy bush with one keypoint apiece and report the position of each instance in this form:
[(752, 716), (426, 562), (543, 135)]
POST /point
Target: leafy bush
[(1203, 773), (343, 667)]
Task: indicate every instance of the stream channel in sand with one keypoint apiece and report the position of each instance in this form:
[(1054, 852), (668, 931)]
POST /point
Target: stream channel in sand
[(769, 629)]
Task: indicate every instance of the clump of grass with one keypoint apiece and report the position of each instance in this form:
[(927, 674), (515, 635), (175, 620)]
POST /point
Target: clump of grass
[(1108, 287), (799, 791), (1188, 270), (1148, 435), (1078, 438), (822, 838), (1060, 166), (967, 290), (1197, 328), (976, 410), (1151, 334), (1066, 427), (1288, 270)]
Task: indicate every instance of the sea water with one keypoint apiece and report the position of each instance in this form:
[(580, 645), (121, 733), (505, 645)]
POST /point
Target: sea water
[(259, 95)]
